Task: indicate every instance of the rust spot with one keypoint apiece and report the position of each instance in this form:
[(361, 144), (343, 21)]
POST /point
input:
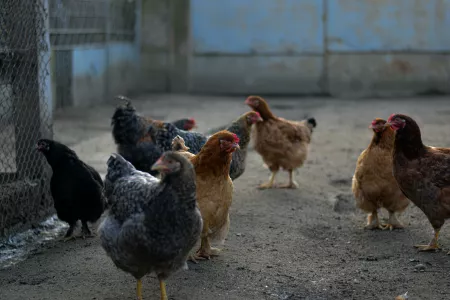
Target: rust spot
[(402, 66)]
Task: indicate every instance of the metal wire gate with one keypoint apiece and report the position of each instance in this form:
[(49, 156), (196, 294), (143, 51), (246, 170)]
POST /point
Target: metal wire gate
[(25, 112)]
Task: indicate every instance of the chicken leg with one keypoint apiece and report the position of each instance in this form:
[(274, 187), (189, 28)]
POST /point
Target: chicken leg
[(69, 234), (373, 222), (85, 232), (393, 222), (269, 184), (162, 287), (433, 245), (206, 251), (292, 184), (139, 289)]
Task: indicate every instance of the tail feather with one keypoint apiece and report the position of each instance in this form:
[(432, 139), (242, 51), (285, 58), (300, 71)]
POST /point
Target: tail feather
[(312, 122), (127, 124)]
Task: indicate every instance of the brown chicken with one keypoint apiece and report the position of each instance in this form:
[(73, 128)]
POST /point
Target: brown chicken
[(281, 143), (374, 185), (214, 187), (422, 173)]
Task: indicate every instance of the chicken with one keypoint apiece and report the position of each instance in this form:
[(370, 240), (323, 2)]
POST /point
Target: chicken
[(280, 142), (77, 188), (166, 132), (133, 135), (242, 128), (152, 224), (422, 173), (374, 185), (214, 188)]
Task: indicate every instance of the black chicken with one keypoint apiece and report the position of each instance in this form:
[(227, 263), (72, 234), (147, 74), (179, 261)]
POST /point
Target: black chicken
[(76, 187), (133, 135)]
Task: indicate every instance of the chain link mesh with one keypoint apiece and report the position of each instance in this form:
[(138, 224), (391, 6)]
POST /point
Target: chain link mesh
[(25, 114), (28, 28)]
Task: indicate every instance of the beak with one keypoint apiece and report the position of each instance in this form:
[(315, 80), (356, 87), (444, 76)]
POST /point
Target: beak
[(159, 165), (387, 124), (247, 101), (235, 146), (259, 119), (195, 127)]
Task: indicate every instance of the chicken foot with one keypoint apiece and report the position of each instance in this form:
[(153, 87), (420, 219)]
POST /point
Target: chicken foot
[(393, 222), (269, 184), (373, 222), (85, 232), (292, 184), (206, 251), (69, 234), (433, 245)]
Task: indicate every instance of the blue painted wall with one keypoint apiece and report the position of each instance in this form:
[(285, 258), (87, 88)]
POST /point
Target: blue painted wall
[(364, 47), (400, 25), (257, 26)]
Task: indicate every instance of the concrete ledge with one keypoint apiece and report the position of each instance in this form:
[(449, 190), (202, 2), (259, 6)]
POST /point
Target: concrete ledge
[(253, 74), (388, 75)]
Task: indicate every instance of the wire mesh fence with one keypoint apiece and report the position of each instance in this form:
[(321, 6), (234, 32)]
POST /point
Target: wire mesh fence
[(81, 25), (72, 33), (25, 114)]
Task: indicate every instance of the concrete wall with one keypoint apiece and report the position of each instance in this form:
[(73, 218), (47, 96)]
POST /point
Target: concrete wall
[(338, 47)]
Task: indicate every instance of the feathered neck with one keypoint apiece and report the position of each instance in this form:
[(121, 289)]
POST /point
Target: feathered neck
[(183, 184), (212, 160), (241, 128), (264, 110), (408, 141), (383, 139), (57, 158)]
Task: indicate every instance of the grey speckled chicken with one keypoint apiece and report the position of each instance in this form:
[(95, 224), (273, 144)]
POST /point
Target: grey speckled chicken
[(242, 128), (152, 224)]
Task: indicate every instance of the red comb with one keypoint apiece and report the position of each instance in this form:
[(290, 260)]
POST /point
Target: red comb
[(374, 122), (257, 113), (390, 117), (236, 139), (192, 120)]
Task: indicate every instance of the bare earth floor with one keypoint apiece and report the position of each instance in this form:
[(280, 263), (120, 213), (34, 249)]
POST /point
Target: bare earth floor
[(283, 244)]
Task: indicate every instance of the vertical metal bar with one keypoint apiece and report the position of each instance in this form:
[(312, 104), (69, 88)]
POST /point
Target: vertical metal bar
[(107, 42), (137, 37), (44, 64), (171, 46), (324, 81), (24, 41)]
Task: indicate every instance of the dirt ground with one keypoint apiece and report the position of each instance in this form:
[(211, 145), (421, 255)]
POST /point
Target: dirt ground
[(283, 244)]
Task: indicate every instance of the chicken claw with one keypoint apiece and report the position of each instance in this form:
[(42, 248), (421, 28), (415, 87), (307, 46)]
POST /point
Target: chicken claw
[(392, 226), (85, 232), (291, 185), (432, 246), (373, 222), (206, 254), (69, 238), (268, 185), (393, 222), (427, 248)]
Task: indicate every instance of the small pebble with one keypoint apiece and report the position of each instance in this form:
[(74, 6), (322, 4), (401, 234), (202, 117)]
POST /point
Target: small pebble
[(419, 268)]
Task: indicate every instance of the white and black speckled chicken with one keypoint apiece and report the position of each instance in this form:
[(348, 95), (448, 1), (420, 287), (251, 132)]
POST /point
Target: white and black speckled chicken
[(152, 224)]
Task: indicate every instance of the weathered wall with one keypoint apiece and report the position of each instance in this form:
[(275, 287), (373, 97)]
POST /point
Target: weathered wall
[(341, 47), (154, 49)]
